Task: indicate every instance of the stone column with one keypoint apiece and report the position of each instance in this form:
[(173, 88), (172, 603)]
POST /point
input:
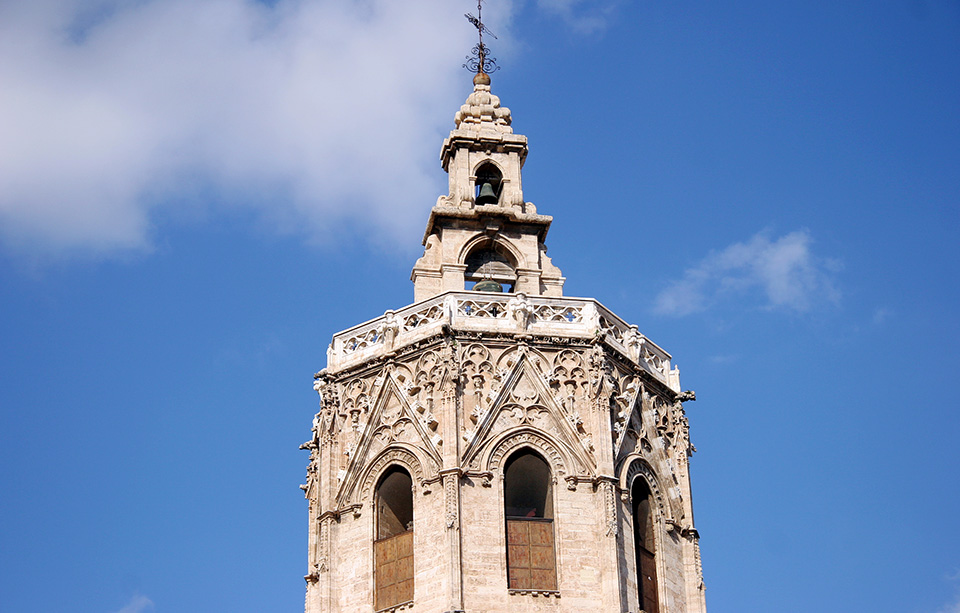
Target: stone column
[(612, 597), (451, 391)]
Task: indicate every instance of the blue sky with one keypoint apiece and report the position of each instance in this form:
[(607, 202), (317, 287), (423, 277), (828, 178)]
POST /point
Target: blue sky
[(194, 196)]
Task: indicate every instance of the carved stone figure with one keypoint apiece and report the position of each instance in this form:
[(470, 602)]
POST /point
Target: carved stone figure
[(520, 310)]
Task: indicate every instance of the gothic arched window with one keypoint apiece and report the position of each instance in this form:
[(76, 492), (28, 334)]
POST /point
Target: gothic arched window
[(645, 545), (528, 506), (393, 547)]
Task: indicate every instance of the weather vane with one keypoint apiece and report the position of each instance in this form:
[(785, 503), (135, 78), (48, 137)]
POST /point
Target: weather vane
[(479, 60)]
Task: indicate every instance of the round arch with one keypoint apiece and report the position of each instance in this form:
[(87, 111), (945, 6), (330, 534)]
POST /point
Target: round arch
[(484, 162), (635, 466), (391, 456), (510, 442), (481, 241)]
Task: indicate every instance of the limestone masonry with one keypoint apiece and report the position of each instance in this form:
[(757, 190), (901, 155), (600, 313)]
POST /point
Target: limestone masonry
[(496, 446)]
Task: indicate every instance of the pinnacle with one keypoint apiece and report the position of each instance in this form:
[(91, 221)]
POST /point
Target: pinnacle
[(482, 110)]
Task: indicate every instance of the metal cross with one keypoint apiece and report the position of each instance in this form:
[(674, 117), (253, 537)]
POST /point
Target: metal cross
[(479, 60)]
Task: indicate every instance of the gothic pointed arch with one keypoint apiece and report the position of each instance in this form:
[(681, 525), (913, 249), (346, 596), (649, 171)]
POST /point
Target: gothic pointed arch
[(526, 411), (392, 425)]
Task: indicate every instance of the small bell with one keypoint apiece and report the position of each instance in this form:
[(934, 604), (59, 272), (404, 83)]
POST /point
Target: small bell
[(487, 195), (487, 285)]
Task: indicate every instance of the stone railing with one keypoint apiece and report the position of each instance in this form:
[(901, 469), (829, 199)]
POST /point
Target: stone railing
[(498, 313)]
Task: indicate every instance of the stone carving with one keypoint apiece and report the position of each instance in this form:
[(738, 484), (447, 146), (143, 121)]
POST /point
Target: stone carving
[(610, 507), (623, 401), (591, 318), (611, 329), (396, 455), (479, 379), (520, 310), (632, 341), (452, 504), (482, 110), (535, 314), (324, 420), (638, 467), (656, 361), (666, 421), (423, 389), (356, 401), (323, 544), (431, 254), (528, 439), (568, 379), (491, 308), (512, 371), (391, 327)]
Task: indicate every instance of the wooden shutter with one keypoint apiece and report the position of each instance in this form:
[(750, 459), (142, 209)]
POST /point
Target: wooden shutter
[(394, 570), (648, 581), (531, 559)]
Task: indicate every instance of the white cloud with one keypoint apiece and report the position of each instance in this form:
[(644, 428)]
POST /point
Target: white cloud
[(784, 271), (584, 16), (725, 358), (953, 607), (880, 315), (313, 113), (137, 604)]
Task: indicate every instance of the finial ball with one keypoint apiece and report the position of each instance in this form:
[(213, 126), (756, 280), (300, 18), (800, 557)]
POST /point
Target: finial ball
[(481, 78)]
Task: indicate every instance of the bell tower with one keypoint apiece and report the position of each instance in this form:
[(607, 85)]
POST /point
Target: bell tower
[(483, 230), (496, 446)]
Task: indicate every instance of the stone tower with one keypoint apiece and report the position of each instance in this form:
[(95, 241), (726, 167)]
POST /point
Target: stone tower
[(502, 450)]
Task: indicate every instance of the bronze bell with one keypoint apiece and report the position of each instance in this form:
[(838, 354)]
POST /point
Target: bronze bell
[(486, 195), (487, 285)]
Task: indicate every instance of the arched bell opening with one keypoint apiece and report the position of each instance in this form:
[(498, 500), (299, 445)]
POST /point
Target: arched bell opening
[(528, 508), (393, 546), (645, 545), (491, 268), (489, 184)]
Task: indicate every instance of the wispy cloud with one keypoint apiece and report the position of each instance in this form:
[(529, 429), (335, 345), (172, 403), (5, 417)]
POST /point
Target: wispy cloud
[(880, 315), (307, 112), (584, 16), (725, 358), (783, 272), (954, 606), (137, 604)]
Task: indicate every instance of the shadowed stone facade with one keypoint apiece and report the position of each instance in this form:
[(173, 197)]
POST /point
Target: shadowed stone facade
[(451, 391)]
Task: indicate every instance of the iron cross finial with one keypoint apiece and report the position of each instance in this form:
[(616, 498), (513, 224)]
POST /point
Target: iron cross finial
[(480, 61)]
